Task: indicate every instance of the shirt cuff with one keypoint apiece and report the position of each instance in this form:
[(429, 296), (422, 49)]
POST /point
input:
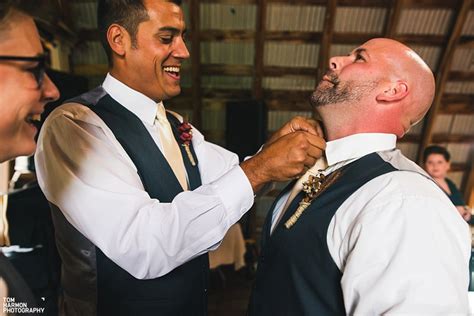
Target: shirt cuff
[(235, 191)]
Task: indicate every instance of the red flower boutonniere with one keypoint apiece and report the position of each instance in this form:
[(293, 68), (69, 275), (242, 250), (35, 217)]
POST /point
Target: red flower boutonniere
[(186, 135)]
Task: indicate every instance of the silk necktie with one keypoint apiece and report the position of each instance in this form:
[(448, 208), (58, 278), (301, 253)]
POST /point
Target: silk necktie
[(171, 149)]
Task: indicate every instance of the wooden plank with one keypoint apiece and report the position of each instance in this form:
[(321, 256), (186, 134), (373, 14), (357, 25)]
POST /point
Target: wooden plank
[(226, 94), (90, 69), (278, 71), (226, 35), (259, 49), (469, 181), (457, 108), (430, 4), (457, 104), (466, 41), (230, 1), (394, 12), (326, 40), (362, 3), (460, 76), (227, 70), (442, 74), (452, 138), (196, 63), (291, 36), (459, 167), (299, 2)]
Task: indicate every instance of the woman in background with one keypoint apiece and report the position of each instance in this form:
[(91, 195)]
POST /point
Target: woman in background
[(436, 160)]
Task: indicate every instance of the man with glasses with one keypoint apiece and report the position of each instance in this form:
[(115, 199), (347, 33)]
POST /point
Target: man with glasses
[(24, 91)]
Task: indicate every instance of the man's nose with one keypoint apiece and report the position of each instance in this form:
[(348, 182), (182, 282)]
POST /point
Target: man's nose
[(181, 50), (337, 63), (50, 92)]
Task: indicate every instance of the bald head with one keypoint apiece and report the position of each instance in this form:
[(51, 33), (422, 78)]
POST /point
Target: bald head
[(405, 64), (383, 86)]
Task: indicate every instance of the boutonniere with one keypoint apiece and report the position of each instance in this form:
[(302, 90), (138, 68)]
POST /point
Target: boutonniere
[(186, 135), (313, 187)]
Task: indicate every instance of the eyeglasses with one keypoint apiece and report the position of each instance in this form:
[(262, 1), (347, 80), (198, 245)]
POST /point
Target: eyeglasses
[(38, 71)]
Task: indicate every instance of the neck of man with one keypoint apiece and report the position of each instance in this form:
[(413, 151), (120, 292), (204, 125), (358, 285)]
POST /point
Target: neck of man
[(341, 121)]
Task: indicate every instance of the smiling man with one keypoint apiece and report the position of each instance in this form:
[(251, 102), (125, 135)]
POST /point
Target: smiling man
[(139, 197), (24, 91), (24, 86), (377, 236)]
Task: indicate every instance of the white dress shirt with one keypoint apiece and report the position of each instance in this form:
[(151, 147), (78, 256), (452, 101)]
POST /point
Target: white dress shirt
[(399, 242), (83, 169)]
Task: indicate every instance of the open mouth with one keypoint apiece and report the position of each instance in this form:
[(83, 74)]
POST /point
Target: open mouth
[(172, 71), (34, 119)]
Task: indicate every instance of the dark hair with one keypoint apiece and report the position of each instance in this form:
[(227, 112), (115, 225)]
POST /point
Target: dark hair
[(127, 13), (435, 149)]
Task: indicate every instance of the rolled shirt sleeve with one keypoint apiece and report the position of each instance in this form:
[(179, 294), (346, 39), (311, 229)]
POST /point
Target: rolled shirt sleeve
[(83, 170)]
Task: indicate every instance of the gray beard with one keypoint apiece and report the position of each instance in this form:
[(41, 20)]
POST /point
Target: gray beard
[(339, 92)]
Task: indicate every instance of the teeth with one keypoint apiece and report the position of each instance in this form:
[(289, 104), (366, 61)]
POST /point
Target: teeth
[(171, 69), (34, 118)]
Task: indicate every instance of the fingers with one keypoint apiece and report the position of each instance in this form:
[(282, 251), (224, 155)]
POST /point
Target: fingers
[(299, 123)]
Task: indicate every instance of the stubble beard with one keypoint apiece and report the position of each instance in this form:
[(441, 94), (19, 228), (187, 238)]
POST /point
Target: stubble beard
[(337, 92)]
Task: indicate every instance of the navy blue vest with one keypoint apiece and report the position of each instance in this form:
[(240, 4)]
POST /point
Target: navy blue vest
[(296, 274), (182, 291)]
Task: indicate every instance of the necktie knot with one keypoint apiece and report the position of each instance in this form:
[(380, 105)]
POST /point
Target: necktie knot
[(161, 113)]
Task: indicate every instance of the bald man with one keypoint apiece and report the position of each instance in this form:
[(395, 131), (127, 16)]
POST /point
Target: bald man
[(375, 235)]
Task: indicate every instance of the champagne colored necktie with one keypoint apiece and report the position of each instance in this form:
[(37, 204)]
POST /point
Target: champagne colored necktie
[(171, 149), (298, 187)]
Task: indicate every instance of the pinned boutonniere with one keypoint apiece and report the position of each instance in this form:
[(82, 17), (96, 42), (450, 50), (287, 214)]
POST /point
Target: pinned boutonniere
[(313, 187), (186, 135)]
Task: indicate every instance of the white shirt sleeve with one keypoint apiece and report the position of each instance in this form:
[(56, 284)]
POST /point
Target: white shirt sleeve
[(83, 170), (406, 252)]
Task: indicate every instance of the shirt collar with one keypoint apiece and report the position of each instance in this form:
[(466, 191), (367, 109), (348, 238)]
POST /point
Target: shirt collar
[(134, 101), (358, 145)]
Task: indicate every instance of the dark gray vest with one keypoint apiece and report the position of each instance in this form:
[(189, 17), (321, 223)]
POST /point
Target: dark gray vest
[(296, 274), (182, 291)]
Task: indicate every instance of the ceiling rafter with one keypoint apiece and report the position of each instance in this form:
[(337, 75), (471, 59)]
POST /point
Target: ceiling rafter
[(442, 74)]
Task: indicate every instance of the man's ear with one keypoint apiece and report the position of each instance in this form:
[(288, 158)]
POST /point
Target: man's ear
[(117, 37), (394, 91)]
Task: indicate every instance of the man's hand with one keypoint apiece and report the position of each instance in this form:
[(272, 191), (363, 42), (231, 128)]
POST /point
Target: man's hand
[(283, 159), (298, 123)]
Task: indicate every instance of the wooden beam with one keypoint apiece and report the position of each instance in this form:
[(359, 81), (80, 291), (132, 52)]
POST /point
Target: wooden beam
[(227, 70), (393, 18), (469, 182), (428, 4), (459, 167), (196, 62), (277, 71), (315, 2), (457, 108), (226, 94), (460, 76), (466, 41), (442, 74), (452, 138), (362, 3), (230, 1), (326, 40), (292, 36), (226, 35), (259, 49)]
